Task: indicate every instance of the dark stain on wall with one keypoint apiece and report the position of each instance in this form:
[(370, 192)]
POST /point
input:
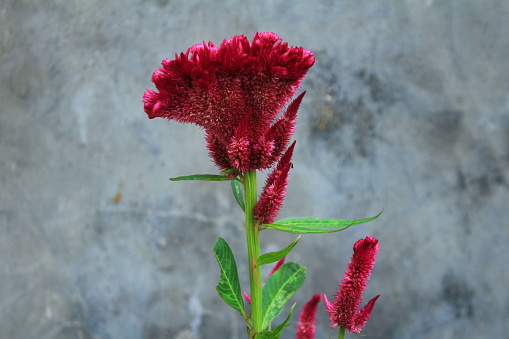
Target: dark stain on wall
[(379, 91), (459, 295), (345, 119)]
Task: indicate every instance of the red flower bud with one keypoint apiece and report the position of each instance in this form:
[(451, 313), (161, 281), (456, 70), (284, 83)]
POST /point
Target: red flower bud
[(344, 311), (306, 326)]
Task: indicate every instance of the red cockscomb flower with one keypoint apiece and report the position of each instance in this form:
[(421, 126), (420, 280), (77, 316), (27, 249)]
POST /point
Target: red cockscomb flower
[(235, 92), (344, 311)]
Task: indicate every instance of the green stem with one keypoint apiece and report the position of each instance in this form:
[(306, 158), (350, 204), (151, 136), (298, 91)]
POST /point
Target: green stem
[(253, 252), (341, 334)]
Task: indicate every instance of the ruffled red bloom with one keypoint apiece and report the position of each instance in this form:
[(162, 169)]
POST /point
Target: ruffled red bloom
[(235, 93), (306, 325), (344, 311)]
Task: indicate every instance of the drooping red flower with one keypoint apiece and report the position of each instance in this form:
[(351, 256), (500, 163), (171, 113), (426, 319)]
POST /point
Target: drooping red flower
[(235, 92), (344, 311), (306, 325)]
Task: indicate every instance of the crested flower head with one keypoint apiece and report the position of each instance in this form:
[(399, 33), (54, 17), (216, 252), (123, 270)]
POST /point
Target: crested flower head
[(344, 311), (235, 92)]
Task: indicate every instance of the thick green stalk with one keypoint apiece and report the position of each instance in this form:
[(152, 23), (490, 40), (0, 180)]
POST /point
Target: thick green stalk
[(253, 252), (341, 334)]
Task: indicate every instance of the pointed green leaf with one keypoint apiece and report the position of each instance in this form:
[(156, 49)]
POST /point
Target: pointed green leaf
[(228, 286), (279, 329), (203, 177), (276, 332), (313, 225), (229, 171), (271, 257), (279, 288), (237, 193)]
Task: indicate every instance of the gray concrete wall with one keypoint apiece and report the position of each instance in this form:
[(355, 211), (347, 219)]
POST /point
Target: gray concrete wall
[(407, 110)]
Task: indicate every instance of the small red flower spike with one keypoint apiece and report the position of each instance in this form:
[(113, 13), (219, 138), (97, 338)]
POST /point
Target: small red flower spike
[(247, 296), (362, 316), (235, 92), (344, 311), (306, 325), (277, 265), (274, 191)]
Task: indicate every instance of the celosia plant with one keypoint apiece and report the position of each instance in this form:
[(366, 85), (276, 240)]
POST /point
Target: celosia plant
[(237, 93)]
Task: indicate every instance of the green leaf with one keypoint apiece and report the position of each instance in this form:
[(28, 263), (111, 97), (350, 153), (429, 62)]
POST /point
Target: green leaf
[(203, 177), (271, 257), (279, 329), (280, 287), (228, 286), (268, 335), (313, 225), (276, 332), (237, 193)]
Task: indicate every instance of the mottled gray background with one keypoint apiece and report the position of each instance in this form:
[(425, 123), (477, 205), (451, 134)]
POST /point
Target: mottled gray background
[(407, 110)]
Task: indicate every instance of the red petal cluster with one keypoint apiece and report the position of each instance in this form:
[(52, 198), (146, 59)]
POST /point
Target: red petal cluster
[(235, 92), (306, 326), (344, 311), (274, 191)]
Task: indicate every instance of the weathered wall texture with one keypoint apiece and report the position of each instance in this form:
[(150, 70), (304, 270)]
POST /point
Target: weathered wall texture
[(407, 110)]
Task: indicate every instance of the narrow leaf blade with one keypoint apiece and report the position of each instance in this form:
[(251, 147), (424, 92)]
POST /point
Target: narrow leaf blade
[(237, 193), (229, 285), (271, 257), (303, 230), (280, 287), (203, 177), (313, 225)]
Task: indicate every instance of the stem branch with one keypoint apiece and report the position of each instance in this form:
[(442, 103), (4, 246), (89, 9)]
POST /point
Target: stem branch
[(253, 252)]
